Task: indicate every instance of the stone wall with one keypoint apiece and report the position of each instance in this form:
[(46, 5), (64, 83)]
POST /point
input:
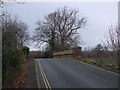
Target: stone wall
[(72, 53)]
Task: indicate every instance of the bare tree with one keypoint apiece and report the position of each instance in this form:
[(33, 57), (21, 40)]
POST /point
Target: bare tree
[(10, 42), (59, 29), (113, 38), (4, 3), (22, 34), (113, 41), (14, 32)]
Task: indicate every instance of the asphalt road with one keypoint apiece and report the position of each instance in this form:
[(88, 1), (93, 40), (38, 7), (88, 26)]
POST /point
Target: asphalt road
[(64, 73)]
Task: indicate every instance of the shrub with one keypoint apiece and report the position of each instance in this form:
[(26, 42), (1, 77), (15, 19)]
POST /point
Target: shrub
[(10, 64), (25, 50), (48, 54)]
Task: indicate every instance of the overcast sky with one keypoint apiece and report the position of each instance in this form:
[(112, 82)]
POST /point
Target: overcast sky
[(100, 16)]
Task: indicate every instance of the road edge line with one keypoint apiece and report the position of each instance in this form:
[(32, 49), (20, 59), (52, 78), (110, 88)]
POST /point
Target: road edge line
[(96, 67), (38, 82)]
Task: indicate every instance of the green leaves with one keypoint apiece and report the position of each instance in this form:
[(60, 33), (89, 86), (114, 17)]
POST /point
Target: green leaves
[(25, 50), (10, 63)]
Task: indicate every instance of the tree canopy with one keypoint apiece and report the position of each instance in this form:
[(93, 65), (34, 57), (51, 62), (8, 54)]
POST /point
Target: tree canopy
[(59, 29)]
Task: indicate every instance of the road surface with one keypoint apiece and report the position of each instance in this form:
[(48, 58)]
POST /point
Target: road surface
[(65, 73)]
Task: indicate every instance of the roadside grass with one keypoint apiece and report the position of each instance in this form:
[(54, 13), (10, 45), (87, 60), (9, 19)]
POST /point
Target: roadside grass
[(107, 63)]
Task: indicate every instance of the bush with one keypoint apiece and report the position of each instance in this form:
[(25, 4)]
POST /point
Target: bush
[(10, 64), (48, 54), (25, 50)]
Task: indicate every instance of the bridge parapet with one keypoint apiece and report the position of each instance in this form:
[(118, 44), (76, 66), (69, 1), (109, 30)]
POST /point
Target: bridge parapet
[(72, 53)]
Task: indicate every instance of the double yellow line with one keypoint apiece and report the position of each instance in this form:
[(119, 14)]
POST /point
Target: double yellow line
[(46, 82)]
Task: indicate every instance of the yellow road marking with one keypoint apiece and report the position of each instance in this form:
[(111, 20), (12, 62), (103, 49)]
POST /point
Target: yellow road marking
[(47, 84), (96, 67), (45, 77), (38, 83)]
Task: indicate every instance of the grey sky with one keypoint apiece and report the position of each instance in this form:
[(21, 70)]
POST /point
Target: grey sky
[(100, 16)]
